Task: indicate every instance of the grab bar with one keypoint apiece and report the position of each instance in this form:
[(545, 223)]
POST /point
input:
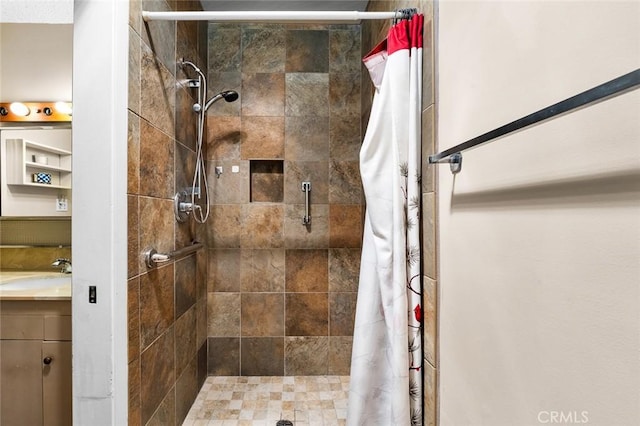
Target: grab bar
[(306, 188), (607, 90), (152, 257)]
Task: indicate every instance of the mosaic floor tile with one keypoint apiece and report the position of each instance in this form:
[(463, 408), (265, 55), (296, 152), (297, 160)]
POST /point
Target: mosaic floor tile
[(263, 400)]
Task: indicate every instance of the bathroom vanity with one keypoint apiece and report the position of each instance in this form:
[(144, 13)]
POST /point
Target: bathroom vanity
[(35, 348)]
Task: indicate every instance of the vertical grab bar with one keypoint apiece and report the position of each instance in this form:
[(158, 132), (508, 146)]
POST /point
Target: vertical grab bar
[(306, 188)]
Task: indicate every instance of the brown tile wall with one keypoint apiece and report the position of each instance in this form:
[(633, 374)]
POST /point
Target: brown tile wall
[(281, 296), (373, 32), (32, 258), (32, 244), (167, 306)]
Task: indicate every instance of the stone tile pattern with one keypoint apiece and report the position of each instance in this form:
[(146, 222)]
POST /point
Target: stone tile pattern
[(372, 32), (282, 295), (167, 306), (264, 400), (32, 258)]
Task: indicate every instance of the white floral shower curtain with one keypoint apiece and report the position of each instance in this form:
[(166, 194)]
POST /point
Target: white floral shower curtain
[(386, 377)]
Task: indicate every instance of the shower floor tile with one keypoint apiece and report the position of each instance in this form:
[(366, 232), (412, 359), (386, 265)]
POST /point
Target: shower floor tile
[(262, 401)]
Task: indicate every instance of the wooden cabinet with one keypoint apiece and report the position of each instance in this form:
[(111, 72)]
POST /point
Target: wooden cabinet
[(35, 363), (20, 375)]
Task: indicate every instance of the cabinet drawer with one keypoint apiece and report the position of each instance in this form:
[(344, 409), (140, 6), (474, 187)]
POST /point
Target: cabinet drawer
[(57, 327), (21, 327)]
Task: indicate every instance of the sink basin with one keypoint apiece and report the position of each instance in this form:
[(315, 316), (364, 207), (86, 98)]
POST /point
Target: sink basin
[(35, 283)]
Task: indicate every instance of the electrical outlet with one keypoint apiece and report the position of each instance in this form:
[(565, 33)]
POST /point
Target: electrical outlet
[(62, 205)]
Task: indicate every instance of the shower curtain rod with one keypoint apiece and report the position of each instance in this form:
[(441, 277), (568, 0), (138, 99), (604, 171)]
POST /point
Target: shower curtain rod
[(269, 16)]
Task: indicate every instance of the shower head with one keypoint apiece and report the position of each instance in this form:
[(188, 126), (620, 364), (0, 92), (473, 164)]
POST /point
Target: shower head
[(229, 96)]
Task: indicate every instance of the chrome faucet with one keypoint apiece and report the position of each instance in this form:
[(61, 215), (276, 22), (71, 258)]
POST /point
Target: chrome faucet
[(65, 263)]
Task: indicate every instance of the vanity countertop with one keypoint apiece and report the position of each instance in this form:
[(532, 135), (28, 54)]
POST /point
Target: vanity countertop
[(60, 288)]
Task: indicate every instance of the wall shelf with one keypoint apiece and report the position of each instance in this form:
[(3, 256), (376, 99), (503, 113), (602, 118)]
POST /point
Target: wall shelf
[(21, 167), (46, 167)]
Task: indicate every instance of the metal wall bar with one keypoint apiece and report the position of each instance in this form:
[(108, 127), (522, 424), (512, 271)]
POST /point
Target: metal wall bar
[(306, 188), (152, 257), (607, 90)]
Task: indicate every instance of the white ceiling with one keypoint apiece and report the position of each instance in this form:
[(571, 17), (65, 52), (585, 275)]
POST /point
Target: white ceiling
[(279, 5), (36, 11)]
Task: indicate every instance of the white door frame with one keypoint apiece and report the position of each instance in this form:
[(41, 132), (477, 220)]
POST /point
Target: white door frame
[(99, 226)]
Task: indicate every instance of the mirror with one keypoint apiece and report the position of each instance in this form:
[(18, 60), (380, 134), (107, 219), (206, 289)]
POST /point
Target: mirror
[(35, 156)]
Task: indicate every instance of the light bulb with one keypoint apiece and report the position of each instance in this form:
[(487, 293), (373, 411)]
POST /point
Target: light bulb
[(63, 107), (18, 108)]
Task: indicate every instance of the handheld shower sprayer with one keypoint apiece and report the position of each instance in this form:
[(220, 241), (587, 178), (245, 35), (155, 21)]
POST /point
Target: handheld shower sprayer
[(228, 95), (183, 208)]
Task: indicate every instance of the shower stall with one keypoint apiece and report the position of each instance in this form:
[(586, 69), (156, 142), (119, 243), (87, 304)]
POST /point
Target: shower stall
[(280, 291), (281, 294), (271, 299), (282, 262)]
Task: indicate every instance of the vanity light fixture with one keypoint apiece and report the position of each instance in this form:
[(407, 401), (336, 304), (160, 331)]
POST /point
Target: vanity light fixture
[(35, 112)]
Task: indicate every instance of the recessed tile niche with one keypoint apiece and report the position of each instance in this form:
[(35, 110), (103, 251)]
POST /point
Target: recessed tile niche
[(267, 181)]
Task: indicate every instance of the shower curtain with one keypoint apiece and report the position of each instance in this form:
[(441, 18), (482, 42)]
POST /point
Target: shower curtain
[(386, 380)]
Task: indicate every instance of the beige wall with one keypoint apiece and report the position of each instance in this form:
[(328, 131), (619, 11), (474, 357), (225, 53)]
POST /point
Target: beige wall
[(539, 234), (36, 62)]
